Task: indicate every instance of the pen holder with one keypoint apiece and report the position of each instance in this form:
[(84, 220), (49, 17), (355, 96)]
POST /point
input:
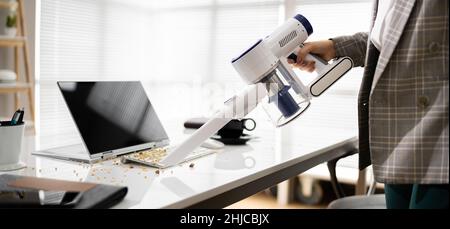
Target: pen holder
[(11, 137)]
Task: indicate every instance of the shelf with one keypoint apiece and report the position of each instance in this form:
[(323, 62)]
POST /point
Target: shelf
[(7, 5), (4, 5), (14, 87), (19, 43), (12, 41)]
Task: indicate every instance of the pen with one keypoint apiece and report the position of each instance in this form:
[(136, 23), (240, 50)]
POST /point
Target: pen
[(22, 113), (15, 117)]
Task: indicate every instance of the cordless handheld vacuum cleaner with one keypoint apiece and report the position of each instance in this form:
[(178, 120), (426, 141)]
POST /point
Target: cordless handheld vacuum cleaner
[(272, 82)]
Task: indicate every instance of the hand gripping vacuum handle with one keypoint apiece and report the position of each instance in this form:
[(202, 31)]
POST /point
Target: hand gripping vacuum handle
[(328, 74), (320, 63)]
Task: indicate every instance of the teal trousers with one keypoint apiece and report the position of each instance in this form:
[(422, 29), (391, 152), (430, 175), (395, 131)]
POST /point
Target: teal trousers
[(416, 196)]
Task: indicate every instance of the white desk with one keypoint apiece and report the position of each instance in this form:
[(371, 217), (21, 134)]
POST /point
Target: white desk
[(215, 181)]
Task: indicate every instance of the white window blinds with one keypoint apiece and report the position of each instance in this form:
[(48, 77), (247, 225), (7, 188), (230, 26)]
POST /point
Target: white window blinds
[(165, 43)]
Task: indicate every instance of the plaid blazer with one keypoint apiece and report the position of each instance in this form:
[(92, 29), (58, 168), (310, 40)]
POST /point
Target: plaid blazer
[(403, 100)]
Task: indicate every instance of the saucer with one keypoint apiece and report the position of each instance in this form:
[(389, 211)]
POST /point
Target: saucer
[(234, 141), (12, 167)]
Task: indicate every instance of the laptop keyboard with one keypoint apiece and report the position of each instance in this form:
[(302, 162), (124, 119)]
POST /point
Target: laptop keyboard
[(150, 156), (154, 156)]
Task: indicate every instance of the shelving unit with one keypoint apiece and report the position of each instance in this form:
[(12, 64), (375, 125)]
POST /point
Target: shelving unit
[(12, 42), (19, 44), (5, 5)]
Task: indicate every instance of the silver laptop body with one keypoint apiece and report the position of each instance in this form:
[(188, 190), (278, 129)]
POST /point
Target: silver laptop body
[(81, 152)]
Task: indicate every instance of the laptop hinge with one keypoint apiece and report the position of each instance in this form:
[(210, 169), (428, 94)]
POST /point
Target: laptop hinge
[(108, 155)]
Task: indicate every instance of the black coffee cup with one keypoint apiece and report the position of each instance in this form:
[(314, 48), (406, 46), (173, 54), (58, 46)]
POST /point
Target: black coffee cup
[(235, 128)]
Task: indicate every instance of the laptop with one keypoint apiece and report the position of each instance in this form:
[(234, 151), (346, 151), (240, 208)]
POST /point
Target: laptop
[(117, 119)]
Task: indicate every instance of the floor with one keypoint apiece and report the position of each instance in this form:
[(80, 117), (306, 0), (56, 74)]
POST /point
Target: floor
[(265, 201)]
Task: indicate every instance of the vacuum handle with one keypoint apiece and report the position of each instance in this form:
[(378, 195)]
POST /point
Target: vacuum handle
[(327, 73), (321, 64), (325, 79)]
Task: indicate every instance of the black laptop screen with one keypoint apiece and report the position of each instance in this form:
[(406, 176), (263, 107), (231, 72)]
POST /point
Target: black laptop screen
[(112, 115)]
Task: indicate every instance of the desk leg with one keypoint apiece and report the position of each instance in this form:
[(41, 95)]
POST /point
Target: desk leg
[(361, 184), (285, 193)]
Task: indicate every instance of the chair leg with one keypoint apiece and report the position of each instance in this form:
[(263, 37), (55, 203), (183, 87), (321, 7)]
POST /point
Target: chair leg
[(372, 187), (361, 184), (337, 188)]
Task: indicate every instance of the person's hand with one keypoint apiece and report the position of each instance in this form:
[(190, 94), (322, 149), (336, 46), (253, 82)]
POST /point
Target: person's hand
[(324, 49)]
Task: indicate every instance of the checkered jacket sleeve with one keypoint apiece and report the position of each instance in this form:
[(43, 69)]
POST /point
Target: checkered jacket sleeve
[(354, 46)]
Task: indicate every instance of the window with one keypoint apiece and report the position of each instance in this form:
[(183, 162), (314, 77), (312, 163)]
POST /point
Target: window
[(338, 107), (174, 47)]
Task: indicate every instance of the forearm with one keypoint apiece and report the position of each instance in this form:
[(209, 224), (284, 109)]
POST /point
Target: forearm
[(354, 46)]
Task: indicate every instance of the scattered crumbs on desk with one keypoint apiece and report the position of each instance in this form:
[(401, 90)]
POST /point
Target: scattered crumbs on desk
[(131, 167), (157, 172), (191, 165)]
